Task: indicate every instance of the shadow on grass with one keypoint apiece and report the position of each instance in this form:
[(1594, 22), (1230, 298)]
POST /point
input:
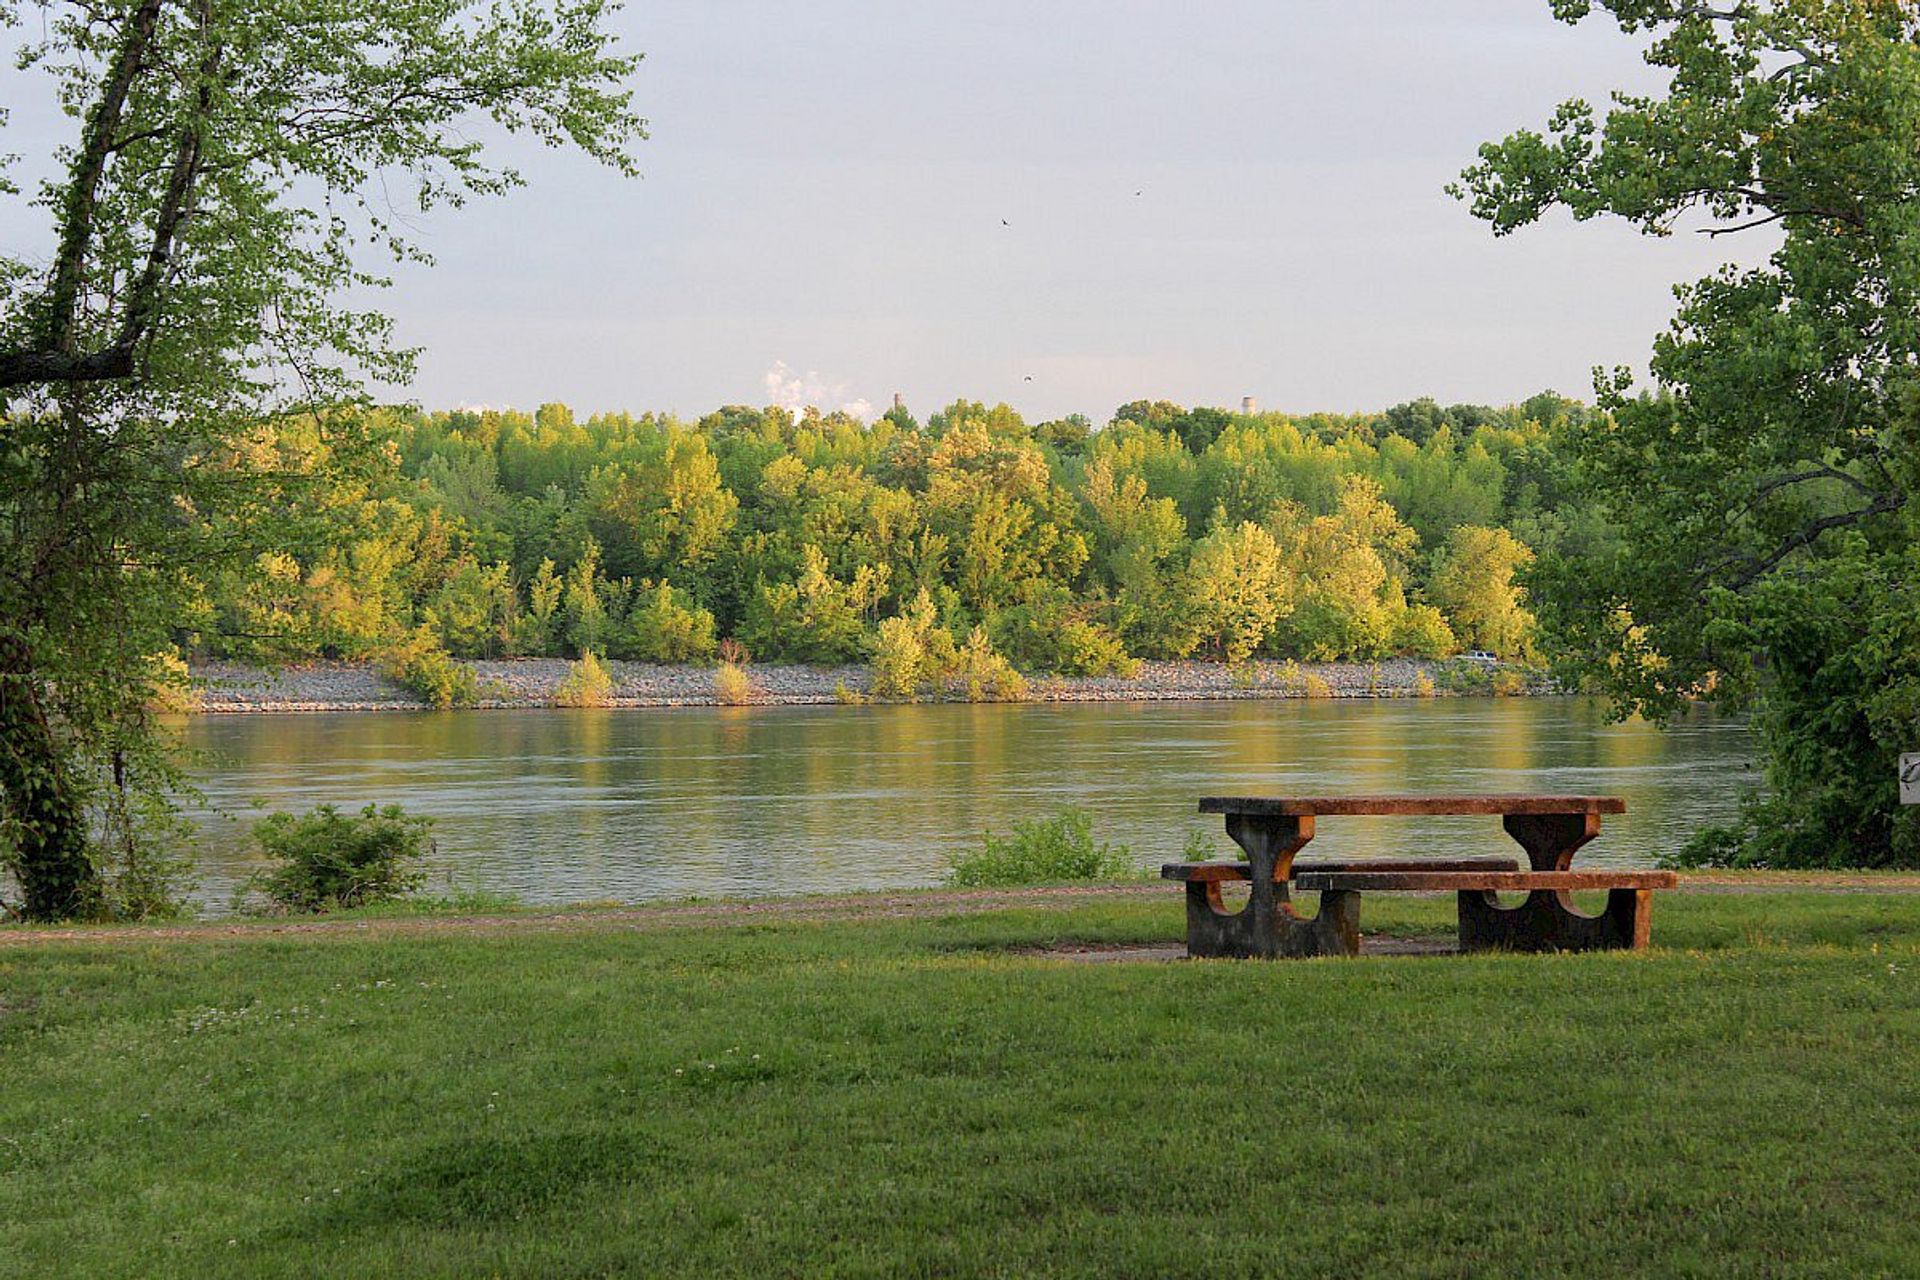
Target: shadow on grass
[(485, 1180)]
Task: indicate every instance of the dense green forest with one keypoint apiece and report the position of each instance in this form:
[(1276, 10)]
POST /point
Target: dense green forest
[(1167, 533)]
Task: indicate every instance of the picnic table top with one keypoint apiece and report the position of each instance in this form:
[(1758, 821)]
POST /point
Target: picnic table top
[(1304, 806)]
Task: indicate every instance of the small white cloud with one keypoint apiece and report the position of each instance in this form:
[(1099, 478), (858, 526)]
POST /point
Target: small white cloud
[(796, 391)]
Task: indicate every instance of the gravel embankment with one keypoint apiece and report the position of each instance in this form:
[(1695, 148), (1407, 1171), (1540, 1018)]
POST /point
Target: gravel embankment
[(531, 682)]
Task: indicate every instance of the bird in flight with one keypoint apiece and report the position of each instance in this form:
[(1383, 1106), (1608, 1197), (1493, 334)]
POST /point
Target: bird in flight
[(1005, 223), (1029, 378), (1141, 192)]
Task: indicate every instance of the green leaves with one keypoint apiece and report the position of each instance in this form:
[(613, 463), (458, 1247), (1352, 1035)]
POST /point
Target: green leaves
[(182, 379), (1761, 488)]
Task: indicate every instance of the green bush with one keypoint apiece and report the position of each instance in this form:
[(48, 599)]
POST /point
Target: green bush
[(1462, 676), (667, 626), (1201, 847), (170, 685), (330, 860), (899, 661), (1042, 852), (816, 617), (913, 651), (732, 686), (1052, 634), (1839, 704), (422, 666), (1421, 631), (983, 675), (1085, 649), (587, 684)]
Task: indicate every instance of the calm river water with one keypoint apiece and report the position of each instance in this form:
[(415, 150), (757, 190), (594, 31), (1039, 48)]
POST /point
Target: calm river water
[(569, 806)]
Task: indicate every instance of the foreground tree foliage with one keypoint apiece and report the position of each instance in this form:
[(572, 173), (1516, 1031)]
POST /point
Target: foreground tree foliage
[(1767, 544), (177, 374)]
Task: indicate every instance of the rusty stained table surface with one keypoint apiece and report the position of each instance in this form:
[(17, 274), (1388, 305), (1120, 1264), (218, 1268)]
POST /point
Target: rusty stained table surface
[(1425, 806)]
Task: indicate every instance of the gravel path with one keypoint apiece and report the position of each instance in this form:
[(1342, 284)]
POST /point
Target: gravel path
[(531, 682)]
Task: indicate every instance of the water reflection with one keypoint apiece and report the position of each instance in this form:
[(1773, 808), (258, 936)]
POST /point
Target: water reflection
[(559, 806)]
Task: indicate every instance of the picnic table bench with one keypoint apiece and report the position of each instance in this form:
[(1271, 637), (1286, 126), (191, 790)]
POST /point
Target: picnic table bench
[(1271, 831)]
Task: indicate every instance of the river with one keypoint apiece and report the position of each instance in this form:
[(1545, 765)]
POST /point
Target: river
[(576, 806)]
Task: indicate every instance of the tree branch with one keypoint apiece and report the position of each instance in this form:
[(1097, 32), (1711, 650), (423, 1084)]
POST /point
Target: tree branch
[(1878, 507), (54, 360), (83, 193), (1821, 472), (1747, 226), (143, 297)]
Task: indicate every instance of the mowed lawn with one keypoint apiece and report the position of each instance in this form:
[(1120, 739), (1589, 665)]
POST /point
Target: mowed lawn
[(917, 1097)]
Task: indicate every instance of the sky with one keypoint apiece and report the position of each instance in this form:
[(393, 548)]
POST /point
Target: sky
[(1063, 206)]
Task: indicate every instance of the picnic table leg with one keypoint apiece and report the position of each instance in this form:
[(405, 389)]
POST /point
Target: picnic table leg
[(1267, 926), (1547, 920)]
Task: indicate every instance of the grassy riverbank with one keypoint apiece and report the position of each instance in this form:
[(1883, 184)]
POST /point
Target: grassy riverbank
[(861, 1093)]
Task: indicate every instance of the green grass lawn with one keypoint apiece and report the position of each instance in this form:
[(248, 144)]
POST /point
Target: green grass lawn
[(895, 1097)]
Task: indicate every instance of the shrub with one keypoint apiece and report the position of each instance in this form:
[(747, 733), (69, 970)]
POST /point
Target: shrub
[(141, 845), (899, 660), (732, 686), (731, 650), (1089, 650), (1051, 633), (1462, 676), (983, 675), (1508, 682), (846, 695), (912, 652), (667, 626), (171, 687), (1423, 686), (588, 684), (1421, 631), (1315, 687), (1043, 851), (330, 860), (815, 618), (421, 665), (1200, 847)]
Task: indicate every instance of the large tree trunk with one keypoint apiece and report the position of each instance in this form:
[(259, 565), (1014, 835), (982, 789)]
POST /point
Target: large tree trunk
[(56, 875)]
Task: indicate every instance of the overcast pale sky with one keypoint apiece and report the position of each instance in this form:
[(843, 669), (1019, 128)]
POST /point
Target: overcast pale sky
[(1201, 201)]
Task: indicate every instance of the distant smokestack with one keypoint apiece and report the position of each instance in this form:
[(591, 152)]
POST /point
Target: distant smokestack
[(898, 403), (1247, 405)]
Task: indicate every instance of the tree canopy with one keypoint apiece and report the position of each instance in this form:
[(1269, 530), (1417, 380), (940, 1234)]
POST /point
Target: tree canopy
[(507, 533), (1761, 486), (175, 375)]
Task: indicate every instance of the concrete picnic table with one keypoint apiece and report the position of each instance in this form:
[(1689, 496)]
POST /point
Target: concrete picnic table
[(1549, 828)]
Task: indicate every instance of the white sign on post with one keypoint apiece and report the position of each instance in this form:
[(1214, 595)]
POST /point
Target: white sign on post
[(1910, 778)]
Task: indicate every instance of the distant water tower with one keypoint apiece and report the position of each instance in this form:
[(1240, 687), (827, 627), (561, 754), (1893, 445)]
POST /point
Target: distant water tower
[(898, 401), (1248, 406)]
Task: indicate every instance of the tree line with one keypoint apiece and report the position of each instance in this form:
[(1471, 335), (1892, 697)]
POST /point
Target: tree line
[(1167, 533)]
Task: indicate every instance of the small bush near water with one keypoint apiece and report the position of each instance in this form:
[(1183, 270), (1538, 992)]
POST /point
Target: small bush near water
[(587, 684), (331, 860), (1045, 851), (732, 686), (423, 666)]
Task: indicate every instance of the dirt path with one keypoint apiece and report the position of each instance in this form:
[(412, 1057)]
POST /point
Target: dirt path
[(866, 906)]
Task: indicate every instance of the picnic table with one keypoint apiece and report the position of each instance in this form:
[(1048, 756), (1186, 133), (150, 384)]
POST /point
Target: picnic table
[(1549, 829)]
